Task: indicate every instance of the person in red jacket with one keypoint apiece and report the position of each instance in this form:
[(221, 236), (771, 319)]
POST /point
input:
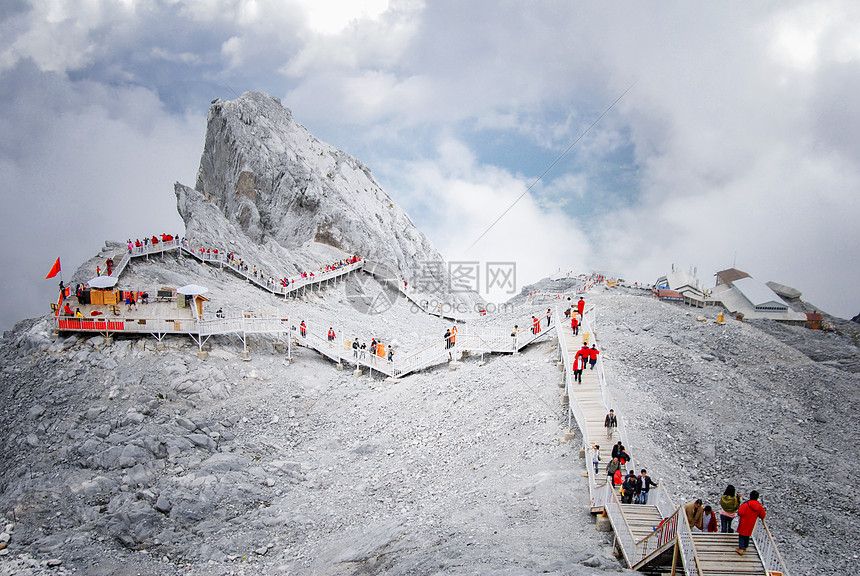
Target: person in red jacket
[(580, 306), (535, 325), (578, 365), (574, 325), (749, 512), (583, 354), (592, 354)]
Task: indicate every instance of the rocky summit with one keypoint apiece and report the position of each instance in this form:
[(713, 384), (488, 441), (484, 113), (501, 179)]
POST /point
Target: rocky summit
[(265, 179)]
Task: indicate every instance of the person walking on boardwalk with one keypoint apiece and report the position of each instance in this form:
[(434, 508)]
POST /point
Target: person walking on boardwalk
[(574, 325), (303, 329), (610, 423), (355, 348), (595, 458), (380, 349), (548, 317), (694, 513), (592, 355), (535, 325), (644, 486), (362, 351), (331, 334), (611, 468), (749, 512), (578, 365), (730, 502), (514, 333), (583, 354), (447, 339), (628, 488), (580, 306)]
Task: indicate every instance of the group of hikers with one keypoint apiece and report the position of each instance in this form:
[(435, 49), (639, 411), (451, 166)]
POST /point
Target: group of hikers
[(269, 280), (736, 515), (108, 268), (141, 245), (450, 338), (377, 347), (634, 490), (128, 297)]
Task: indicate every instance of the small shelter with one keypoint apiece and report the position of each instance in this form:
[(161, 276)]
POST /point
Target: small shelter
[(814, 320), (193, 292)]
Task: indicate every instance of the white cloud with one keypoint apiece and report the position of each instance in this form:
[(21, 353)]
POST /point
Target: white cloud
[(456, 200), (84, 174)]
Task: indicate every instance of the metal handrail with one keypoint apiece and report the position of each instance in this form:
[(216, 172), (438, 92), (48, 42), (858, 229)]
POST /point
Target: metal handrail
[(262, 281), (662, 535), (625, 537), (686, 546), (767, 550)]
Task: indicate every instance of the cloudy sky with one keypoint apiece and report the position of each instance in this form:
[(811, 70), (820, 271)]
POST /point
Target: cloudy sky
[(735, 141)]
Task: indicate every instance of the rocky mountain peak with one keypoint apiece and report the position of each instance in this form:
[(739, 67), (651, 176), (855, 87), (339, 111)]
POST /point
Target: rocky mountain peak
[(279, 187)]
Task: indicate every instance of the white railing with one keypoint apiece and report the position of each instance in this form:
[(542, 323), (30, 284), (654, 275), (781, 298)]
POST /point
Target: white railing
[(420, 299), (663, 534), (485, 339), (686, 545), (261, 280), (597, 496), (766, 548), (605, 394), (623, 533), (435, 353), (340, 349)]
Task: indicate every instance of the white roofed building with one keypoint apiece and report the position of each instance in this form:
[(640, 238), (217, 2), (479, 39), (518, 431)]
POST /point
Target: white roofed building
[(762, 298)]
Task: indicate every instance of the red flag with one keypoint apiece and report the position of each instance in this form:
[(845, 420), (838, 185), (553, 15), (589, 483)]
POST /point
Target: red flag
[(55, 269)]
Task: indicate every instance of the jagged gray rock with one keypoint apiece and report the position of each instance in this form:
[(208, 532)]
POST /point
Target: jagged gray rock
[(275, 194)]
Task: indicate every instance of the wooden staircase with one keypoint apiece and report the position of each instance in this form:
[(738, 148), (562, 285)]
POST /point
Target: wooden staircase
[(653, 538), (641, 519), (716, 556)]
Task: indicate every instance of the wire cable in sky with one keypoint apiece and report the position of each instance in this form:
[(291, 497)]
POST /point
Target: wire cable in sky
[(557, 160)]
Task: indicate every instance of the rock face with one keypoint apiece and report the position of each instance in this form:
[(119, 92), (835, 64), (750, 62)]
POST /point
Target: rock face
[(285, 192)]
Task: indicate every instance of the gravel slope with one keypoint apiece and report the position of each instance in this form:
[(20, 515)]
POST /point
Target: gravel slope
[(131, 459)]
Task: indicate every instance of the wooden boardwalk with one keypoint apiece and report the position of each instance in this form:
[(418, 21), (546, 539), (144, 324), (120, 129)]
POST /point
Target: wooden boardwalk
[(653, 537), (160, 320)]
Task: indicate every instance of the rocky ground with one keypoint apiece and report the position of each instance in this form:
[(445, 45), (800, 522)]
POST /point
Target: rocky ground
[(125, 458), (714, 405)]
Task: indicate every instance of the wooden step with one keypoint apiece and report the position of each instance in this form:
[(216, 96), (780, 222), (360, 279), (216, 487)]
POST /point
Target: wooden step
[(717, 557)]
